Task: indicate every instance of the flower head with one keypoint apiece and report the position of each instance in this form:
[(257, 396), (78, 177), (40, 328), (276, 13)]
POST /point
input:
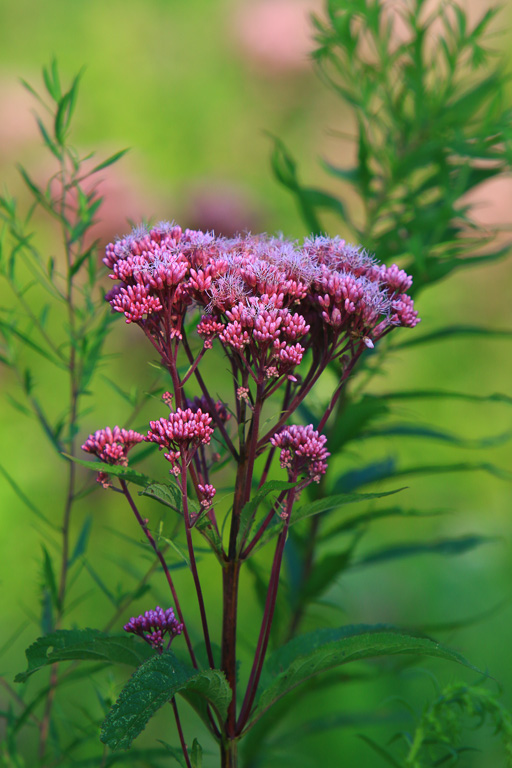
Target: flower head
[(181, 433), (111, 446), (266, 300), (302, 451), (154, 626)]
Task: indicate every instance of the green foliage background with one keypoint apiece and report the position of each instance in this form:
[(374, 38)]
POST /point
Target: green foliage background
[(169, 80)]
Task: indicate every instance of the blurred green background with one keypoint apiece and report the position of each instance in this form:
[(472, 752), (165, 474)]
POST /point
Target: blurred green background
[(192, 88)]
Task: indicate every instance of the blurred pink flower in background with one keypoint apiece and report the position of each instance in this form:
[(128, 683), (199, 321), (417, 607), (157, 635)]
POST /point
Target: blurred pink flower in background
[(226, 208), (17, 126), (275, 35)]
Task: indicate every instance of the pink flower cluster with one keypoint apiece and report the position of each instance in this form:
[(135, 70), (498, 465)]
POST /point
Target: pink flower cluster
[(302, 451), (267, 300), (111, 446), (181, 433), (154, 626)]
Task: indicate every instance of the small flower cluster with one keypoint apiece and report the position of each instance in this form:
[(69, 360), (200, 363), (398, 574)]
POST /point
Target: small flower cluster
[(154, 626), (181, 434), (267, 300), (302, 451), (111, 446)]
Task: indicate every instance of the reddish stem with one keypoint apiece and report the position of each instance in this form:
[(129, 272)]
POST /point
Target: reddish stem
[(154, 545), (268, 615), (193, 565)]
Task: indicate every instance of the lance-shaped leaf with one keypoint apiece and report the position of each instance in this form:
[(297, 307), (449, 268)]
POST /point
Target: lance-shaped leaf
[(319, 506), (151, 686), (167, 494), (453, 331), (449, 546), (85, 645), (309, 655), (435, 394), (112, 469), (387, 469), (430, 433)]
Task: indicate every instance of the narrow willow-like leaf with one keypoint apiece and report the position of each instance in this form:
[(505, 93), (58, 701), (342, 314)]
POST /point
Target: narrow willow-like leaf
[(334, 502), (109, 160), (356, 521), (387, 470), (357, 416), (326, 571), (125, 472), (167, 494), (84, 644), (152, 685), (448, 546), (309, 655), (387, 756), (82, 541), (28, 502), (434, 394), (319, 506), (418, 430), (174, 752), (49, 578), (451, 332)]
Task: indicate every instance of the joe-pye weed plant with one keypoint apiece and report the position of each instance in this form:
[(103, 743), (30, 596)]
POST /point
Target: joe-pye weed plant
[(248, 477)]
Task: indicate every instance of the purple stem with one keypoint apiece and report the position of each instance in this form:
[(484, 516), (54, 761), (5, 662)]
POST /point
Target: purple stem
[(164, 566), (180, 733), (263, 527), (193, 565), (268, 615)]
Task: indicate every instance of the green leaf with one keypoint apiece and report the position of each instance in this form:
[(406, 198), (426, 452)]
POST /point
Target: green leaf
[(49, 578), (249, 510), (167, 494), (356, 521), (196, 754), (448, 546), (334, 502), (417, 430), (326, 570), (387, 469), (109, 161), (84, 644), (81, 542), (65, 110), (380, 751), (434, 394), (319, 506), (28, 503), (309, 655), (152, 685), (452, 331), (285, 170), (111, 469), (51, 80), (47, 139), (175, 752), (355, 416)]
